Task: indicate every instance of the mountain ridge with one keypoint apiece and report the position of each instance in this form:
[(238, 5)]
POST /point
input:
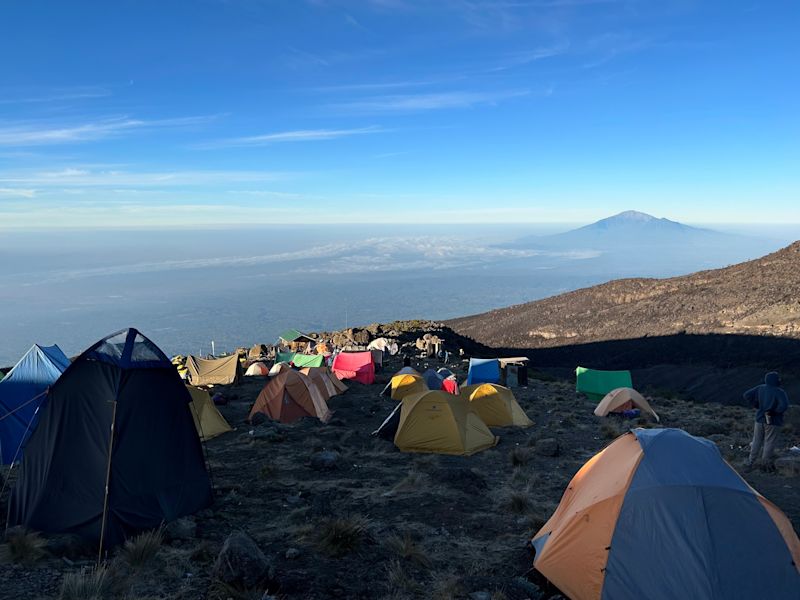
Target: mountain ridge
[(757, 297)]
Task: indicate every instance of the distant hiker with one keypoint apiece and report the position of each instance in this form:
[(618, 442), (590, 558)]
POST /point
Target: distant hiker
[(771, 402)]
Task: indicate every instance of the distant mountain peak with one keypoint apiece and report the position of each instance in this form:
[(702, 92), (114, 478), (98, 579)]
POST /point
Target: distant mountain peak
[(634, 218)]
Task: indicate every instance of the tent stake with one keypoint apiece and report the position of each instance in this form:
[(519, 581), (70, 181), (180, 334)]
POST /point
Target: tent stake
[(108, 477)]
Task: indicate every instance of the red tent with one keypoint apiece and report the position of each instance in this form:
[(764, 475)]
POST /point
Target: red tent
[(354, 365)]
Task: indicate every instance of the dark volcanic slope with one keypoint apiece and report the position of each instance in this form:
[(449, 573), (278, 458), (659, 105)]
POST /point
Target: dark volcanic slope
[(759, 297)]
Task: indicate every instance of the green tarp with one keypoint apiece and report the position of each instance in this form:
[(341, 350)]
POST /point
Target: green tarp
[(301, 360), (596, 384)]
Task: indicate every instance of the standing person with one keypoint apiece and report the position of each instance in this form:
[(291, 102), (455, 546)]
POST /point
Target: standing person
[(770, 401)]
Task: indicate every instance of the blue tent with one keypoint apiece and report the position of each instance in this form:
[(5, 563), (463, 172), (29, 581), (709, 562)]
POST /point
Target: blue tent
[(483, 370), (21, 393)]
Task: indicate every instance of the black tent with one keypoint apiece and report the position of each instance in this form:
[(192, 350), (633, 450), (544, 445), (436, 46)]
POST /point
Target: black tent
[(119, 414)]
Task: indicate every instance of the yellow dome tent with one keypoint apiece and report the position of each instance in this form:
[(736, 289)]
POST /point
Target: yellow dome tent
[(435, 421), (406, 384), (496, 405), (207, 419)]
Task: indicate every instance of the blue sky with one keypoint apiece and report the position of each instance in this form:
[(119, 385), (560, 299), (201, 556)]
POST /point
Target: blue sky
[(244, 111)]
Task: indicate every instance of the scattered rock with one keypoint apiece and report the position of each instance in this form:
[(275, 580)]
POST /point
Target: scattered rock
[(241, 562), (327, 460), (547, 447), (292, 553), (184, 528), (480, 596)]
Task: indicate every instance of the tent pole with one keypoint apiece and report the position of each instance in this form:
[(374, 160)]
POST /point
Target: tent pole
[(108, 477)]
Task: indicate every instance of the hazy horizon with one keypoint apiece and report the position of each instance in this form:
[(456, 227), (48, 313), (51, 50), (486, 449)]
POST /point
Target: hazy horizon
[(239, 286)]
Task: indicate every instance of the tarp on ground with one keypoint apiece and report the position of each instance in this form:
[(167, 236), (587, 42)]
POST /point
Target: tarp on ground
[(122, 386), (208, 421), (483, 370), (496, 405), (22, 392), (357, 366), (596, 384), (213, 371), (659, 514), (301, 360), (622, 399), (290, 396), (441, 423)]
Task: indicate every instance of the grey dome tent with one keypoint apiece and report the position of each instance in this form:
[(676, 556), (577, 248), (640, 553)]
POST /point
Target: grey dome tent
[(119, 415)]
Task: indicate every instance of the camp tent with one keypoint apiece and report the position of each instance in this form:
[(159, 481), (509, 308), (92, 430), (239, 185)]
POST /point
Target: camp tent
[(596, 384), (207, 419), (439, 422), (290, 396), (622, 399), (496, 405), (179, 362), (257, 369), (483, 370), (405, 385), (331, 380), (449, 381), (122, 394), (432, 379), (300, 360), (658, 514), (213, 371), (354, 365), (323, 379), (22, 392)]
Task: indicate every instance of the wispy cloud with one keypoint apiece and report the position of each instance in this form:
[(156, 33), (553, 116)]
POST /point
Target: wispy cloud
[(298, 135), (80, 177), (519, 59), (39, 96), (17, 192), (400, 103), (42, 134)]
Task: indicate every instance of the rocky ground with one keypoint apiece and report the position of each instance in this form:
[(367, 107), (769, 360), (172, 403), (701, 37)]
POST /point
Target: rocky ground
[(328, 511)]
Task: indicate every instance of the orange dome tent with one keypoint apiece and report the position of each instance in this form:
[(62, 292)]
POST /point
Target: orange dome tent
[(290, 396), (658, 514)]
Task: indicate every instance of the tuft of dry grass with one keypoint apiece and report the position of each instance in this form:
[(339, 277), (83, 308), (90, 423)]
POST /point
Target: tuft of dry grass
[(406, 547), (23, 547), (519, 456), (143, 548), (412, 481), (446, 586), (519, 502), (609, 431), (499, 595), (399, 580), (94, 584), (341, 535)]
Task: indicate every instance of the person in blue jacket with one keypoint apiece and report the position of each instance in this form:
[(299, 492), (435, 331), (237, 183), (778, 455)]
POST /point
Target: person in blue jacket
[(770, 401)]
